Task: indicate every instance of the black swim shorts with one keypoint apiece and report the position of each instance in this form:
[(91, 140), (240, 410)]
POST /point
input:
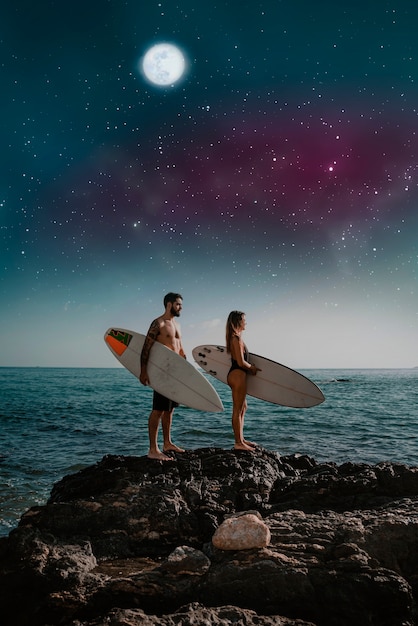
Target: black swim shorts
[(161, 403)]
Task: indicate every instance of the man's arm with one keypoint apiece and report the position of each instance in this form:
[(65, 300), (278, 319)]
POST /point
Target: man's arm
[(182, 352), (153, 332)]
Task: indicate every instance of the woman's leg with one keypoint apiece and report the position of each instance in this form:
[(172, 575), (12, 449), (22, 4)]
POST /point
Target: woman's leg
[(238, 382)]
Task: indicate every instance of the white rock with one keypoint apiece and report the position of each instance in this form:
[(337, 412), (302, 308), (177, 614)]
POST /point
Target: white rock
[(242, 532)]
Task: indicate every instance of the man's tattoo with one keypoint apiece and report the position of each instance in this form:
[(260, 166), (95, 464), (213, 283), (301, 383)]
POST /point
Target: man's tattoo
[(153, 332)]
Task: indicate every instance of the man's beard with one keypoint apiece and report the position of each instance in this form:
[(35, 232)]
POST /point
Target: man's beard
[(174, 312)]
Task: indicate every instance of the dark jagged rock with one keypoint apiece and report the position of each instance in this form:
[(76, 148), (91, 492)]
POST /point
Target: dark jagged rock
[(128, 542)]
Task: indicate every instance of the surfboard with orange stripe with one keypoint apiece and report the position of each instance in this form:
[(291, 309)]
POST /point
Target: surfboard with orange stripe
[(169, 373)]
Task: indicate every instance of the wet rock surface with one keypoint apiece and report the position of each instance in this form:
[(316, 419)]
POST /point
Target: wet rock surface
[(128, 541)]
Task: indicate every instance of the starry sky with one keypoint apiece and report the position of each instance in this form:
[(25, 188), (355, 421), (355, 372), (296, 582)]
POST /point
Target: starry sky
[(278, 176)]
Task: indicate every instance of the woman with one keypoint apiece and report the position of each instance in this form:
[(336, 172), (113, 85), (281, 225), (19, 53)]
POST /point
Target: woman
[(237, 376)]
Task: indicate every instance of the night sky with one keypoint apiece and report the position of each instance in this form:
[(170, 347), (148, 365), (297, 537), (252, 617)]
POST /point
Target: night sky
[(278, 176)]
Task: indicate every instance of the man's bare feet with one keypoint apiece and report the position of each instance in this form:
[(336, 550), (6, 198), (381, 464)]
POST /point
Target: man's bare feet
[(157, 455), (171, 447)]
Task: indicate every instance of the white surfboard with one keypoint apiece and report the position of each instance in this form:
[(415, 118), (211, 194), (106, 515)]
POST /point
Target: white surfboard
[(169, 373), (275, 383)]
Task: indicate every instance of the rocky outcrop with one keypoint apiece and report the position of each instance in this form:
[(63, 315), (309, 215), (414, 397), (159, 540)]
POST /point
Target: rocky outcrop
[(128, 541)]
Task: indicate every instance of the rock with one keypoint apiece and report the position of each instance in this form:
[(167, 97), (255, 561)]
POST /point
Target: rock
[(186, 560), (242, 532), (196, 615), (129, 541)]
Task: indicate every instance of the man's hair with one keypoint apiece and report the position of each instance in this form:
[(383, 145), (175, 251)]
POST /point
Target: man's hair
[(171, 297)]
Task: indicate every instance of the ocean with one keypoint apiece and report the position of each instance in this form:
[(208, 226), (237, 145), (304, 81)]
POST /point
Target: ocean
[(56, 421)]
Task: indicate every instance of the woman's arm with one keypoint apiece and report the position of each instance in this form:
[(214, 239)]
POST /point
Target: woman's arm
[(237, 353)]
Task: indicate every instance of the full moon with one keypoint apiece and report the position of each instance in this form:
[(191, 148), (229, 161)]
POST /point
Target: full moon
[(163, 64)]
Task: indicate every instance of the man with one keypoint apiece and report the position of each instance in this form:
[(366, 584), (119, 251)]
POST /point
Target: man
[(165, 330)]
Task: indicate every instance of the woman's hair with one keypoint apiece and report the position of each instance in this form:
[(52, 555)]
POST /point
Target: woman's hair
[(232, 323)]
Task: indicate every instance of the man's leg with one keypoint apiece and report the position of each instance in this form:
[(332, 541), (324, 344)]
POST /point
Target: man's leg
[(153, 423), (166, 421)]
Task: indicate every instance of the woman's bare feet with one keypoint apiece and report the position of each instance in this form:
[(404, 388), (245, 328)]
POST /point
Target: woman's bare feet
[(171, 447), (244, 446), (251, 443)]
